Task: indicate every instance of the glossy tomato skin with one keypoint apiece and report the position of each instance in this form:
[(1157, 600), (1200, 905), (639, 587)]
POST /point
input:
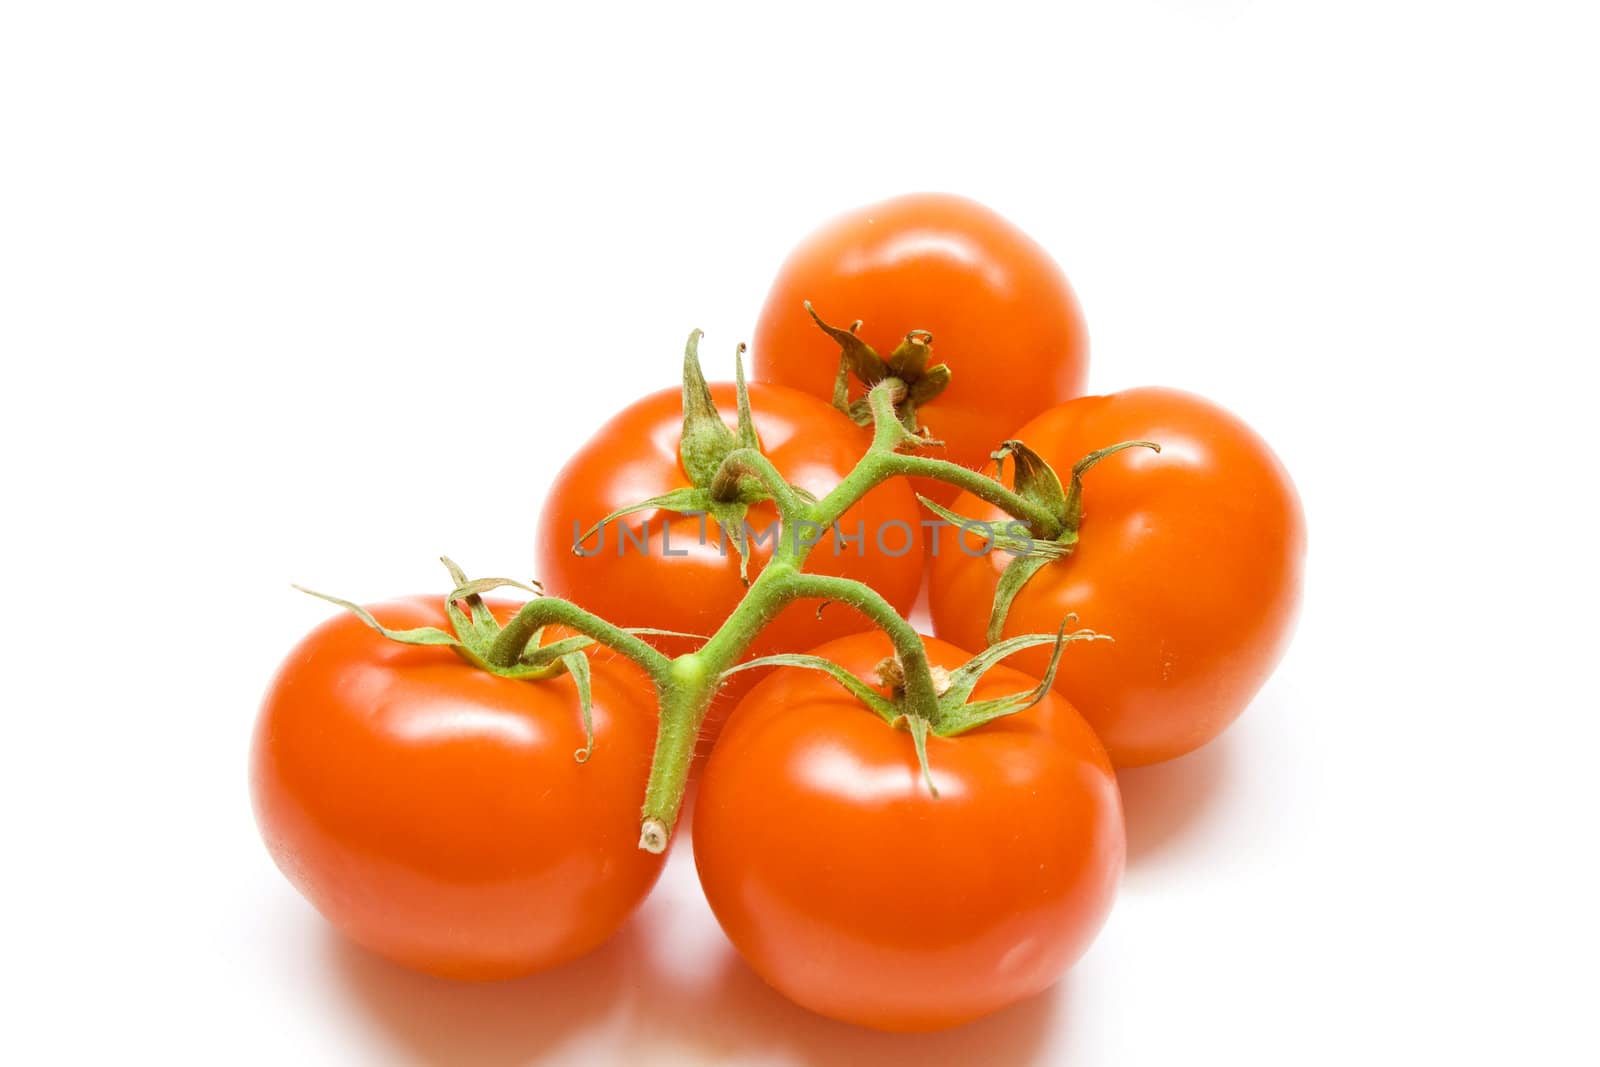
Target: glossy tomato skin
[(857, 894), (684, 579), (1002, 314), (1191, 560), (434, 813)]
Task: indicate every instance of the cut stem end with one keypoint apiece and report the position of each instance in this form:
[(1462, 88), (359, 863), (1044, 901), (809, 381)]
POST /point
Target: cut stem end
[(653, 836)]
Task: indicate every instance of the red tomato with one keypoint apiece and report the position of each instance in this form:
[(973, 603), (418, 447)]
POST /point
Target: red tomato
[(683, 579), (857, 894), (1002, 315), (1190, 559), (435, 813)]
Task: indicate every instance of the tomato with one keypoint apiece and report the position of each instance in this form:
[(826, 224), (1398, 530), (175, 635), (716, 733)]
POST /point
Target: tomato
[(856, 893), (685, 579), (1002, 315), (435, 813), (1190, 559)]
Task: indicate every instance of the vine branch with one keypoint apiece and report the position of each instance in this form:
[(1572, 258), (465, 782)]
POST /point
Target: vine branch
[(545, 611)]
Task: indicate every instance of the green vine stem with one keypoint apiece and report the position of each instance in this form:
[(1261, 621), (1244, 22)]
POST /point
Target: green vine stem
[(692, 679), (547, 611), (728, 473), (921, 696), (1040, 520), (686, 685)]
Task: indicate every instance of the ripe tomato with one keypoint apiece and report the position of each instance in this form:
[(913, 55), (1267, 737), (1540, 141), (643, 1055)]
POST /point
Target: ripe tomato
[(1002, 315), (684, 578), (857, 894), (1190, 559), (435, 813)]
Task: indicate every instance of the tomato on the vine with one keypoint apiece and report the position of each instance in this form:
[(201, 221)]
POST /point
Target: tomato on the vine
[(437, 814), (1189, 559), (678, 572), (854, 891), (1002, 314)]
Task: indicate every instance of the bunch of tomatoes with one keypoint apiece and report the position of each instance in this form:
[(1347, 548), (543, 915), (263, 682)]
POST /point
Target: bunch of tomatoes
[(896, 830)]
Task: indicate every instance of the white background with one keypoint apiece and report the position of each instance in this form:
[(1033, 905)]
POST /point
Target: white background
[(314, 292)]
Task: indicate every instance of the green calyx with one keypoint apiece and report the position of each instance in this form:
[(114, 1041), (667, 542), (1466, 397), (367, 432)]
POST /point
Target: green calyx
[(908, 363), (477, 638), (725, 466), (706, 438), (1033, 547), (952, 712)]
